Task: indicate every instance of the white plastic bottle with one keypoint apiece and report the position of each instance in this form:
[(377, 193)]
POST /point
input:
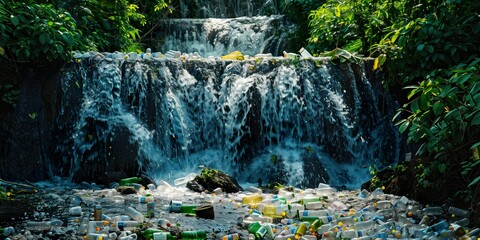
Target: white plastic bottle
[(134, 214)]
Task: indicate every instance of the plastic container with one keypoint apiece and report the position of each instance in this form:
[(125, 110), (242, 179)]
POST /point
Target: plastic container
[(145, 199), (129, 181), (305, 53), (199, 234), (366, 225), (290, 55), (189, 209), (313, 213), (148, 233), (95, 226), (97, 212), (235, 55), (184, 180), (127, 225), (173, 54), (150, 209), (314, 205), (383, 204), (164, 223), (231, 237), (252, 199), (459, 212), (432, 211), (75, 211), (97, 236), (7, 231), (261, 232), (163, 236), (43, 226), (301, 230), (134, 214)]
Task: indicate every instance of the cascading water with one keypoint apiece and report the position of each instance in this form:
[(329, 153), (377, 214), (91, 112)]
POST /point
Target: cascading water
[(297, 122), (217, 36), (215, 28)]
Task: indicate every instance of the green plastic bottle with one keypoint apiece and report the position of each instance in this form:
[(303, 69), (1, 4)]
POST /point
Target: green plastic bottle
[(190, 209), (253, 228), (129, 181), (315, 225), (163, 236), (196, 235), (148, 233)]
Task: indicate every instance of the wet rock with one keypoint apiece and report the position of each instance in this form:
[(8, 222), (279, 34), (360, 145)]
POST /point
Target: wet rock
[(125, 190), (210, 179), (195, 186)]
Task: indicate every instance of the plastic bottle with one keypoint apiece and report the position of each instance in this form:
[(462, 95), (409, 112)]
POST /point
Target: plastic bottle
[(364, 193), (145, 199), (383, 204), (463, 222), (129, 181), (150, 209), (285, 237), (97, 236), (134, 214), (127, 225), (313, 213), (263, 55), (189, 209), (97, 212), (459, 212), (301, 230), (235, 55), (75, 211), (184, 180), (44, 226), (148, 233), (7, 231), (199, 234), (95, 226), (314, 205), (172, 54), (305, 53), (164, 223), (366, 225), (432, 211), (252, 228), (82, 229), (290, 55), (252, 199), (163, 236), (231, 237)]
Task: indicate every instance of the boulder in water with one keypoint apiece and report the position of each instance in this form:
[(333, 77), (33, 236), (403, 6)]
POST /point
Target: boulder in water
[(211, 179)]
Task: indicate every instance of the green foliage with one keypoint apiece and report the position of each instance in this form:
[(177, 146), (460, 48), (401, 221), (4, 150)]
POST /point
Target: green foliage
[(45, 31), (39, 32), (9, 94), (353, 25), (431, 35), (341, 55), (444, 114)]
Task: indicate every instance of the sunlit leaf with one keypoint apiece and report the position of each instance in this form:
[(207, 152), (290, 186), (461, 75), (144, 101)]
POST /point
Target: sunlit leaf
[(337, 11), (375, 64)]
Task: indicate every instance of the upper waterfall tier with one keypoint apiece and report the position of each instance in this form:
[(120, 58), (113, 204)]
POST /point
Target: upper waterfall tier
[(219, 36), (226, 9)]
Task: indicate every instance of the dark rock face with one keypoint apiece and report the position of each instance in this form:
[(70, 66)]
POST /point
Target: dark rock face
[(101, 120), (211, 179)]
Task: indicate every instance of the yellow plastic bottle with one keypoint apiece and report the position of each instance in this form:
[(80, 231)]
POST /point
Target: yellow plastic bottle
[(252, 199), (235, 55)]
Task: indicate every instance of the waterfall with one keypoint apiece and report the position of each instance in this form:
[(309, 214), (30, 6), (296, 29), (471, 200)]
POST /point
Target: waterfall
[(293, 119), (215, 28), (217, 36)]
